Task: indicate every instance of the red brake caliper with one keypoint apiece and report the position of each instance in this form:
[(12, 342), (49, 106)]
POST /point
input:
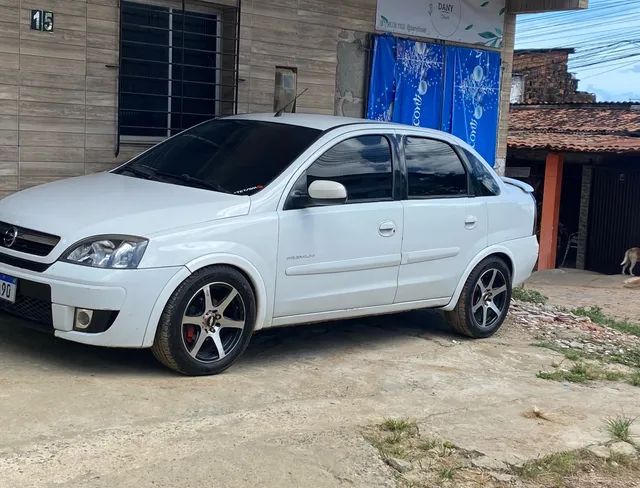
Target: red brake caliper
[(190, 334)]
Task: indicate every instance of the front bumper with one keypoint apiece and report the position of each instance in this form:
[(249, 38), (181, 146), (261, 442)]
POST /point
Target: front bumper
[(133, 294)]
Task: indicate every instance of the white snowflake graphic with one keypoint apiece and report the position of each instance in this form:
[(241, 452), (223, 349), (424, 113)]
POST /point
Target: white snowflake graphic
[(417, 58), (382, 109), (477, 88), (414, 62)]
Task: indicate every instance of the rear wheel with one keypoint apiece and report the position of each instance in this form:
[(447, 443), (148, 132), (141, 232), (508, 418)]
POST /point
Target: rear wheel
[(207, 323), (484, 302)]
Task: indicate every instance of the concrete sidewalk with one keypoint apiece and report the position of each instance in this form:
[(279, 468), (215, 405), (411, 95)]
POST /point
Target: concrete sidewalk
[(576, 277), (571, 288)]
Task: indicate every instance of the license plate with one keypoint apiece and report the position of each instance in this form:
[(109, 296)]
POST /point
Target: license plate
[(8, 288)]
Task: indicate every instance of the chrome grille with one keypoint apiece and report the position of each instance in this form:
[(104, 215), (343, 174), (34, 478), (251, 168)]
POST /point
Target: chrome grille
[(26, 240)]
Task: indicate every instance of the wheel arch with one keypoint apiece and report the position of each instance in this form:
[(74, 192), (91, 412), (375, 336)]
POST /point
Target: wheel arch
[(242, 265), (506, 258), (498, 251)]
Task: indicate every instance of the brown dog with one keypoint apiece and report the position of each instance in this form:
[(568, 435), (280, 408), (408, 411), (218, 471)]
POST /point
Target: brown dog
[(631, 258)]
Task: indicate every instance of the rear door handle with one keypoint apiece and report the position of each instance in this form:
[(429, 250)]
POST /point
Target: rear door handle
[(471, 221), (387, 229)]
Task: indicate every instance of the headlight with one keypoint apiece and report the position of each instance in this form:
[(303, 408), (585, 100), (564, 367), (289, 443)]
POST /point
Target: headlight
[(113, 252)]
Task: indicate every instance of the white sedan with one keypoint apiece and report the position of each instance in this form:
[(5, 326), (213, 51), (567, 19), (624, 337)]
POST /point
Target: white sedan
[(256, 221)]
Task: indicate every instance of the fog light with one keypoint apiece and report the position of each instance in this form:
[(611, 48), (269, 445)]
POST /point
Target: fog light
[(83, 318)]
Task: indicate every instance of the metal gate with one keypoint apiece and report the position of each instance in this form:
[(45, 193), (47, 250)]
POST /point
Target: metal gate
[(178, 66), (614, 218)]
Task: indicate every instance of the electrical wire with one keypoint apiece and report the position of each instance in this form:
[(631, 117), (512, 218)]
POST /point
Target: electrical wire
[(613, 27), (595, 75)]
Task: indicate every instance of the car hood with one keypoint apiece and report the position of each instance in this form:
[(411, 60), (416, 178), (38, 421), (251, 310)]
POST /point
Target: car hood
[(106, 203)]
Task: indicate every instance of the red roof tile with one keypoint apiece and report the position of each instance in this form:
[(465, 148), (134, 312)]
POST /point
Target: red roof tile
[(593, 128)]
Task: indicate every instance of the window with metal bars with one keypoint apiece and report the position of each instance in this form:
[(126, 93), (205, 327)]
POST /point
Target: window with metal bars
[(177, 67)]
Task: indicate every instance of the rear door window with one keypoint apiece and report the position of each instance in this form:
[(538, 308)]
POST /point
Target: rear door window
[(483, 182), (433, 169)]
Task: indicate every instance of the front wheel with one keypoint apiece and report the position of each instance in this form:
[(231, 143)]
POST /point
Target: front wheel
[(484, 302), (207, 323)]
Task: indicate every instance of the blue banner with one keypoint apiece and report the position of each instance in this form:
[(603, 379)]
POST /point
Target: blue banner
[(472, 98), (406, 82), (419, 83), (454, 89), (382, 87)]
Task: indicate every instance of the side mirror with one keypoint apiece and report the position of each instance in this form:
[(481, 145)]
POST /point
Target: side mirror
[(328, 192)]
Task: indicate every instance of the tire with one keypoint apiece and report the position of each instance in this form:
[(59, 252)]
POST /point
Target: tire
[(483, 296), (203, 333)]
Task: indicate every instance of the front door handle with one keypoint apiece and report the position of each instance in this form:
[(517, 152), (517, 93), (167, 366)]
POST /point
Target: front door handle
[(387, 229), (471, 221)]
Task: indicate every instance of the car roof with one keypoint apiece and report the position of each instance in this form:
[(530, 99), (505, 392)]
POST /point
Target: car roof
[(328, 122), (315, 121)]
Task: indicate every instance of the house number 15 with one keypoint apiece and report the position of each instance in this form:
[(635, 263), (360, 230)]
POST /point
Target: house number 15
[(42, 20)]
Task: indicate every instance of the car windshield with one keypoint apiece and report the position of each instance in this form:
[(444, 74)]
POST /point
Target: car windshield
[(232, 156)]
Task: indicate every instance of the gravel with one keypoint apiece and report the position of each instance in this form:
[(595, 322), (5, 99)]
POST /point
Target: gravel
[(565, 330)]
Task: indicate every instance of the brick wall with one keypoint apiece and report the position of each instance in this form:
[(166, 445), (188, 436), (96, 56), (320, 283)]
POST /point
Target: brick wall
[(546, 77)]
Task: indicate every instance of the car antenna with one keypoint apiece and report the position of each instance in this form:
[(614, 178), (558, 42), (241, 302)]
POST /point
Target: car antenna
[(281, 111)]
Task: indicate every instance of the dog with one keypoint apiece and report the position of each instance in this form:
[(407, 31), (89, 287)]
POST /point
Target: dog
[(631, 258)]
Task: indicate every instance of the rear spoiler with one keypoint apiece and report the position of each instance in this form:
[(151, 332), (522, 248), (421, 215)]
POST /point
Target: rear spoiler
[(520, 184)]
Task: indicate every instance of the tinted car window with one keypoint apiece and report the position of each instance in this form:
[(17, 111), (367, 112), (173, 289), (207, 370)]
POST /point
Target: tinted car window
[(362, 164), (484, 184), (434, 169), (228, 155)]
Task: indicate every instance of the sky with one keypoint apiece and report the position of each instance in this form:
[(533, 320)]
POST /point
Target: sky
[(607, 41)]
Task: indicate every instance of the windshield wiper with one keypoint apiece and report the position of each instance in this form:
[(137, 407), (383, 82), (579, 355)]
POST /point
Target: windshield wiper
[(192, 180), (147, 173)]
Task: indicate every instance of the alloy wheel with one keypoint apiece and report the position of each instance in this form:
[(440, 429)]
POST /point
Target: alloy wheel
[(489, 298), (213, 322)]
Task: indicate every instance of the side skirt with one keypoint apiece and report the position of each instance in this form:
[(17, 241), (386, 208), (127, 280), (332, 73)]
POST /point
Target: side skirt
[(358, 312)]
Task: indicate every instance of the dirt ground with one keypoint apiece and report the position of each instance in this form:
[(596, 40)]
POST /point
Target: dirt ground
[(291, 413), (572, 288)]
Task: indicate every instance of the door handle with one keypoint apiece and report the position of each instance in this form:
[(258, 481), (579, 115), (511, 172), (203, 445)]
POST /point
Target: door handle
[(387, 229), (471, 221)]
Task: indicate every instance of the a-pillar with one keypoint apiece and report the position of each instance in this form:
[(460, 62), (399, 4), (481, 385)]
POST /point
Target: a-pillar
[(551, 211)]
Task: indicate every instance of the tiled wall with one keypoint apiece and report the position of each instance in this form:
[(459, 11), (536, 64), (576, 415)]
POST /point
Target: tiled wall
[(57, 98), (58, 91), (297, 33)]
